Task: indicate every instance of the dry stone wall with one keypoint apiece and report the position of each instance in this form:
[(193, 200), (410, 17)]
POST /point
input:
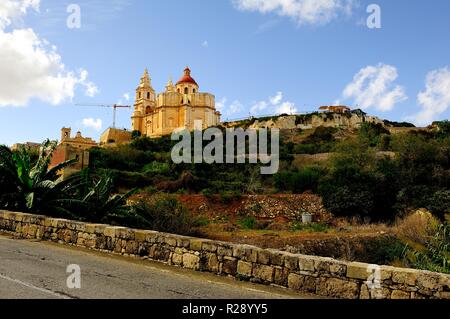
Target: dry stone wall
[(321, 276)]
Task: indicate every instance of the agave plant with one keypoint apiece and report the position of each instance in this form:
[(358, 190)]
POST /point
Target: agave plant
[(33, 186), (99, 205)]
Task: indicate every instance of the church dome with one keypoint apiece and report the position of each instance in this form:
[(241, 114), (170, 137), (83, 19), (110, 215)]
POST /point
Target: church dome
[(187, 77)]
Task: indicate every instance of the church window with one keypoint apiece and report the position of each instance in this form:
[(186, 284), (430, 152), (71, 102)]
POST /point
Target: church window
[(194, 90), (186, 90), (148, 95)]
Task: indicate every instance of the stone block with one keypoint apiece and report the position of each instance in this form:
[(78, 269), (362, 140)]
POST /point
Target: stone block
[(212, 263), (276, 257), (405, 276), (209, 246), (177, 259), (229, 266), (428, 281), (196, 244), (398, 294), (338, 288), (358, 270), (225, 250), (263, 272), (191, 261), (244, 268), (291, 261), (280, 276), (338, 268), (246, 253), (302, 282), (264, 257)]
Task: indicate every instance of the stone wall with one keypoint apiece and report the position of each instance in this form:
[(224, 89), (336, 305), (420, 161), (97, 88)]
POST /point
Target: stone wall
[(318, 275)]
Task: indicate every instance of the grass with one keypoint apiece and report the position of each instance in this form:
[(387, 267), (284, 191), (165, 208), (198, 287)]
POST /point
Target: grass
[(311, 228)]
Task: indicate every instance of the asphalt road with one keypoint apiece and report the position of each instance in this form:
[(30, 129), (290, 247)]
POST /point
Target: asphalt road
[(37, 270)]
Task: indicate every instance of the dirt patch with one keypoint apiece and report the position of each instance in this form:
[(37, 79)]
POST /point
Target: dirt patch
[(278, 208)]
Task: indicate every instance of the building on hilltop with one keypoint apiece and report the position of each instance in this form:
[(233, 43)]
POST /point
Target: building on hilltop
[(178, 107), (71, 148), (335, 109), (114, 136), (30, 146)]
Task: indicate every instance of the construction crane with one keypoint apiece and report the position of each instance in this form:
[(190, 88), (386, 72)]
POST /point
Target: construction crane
[(114, 106)]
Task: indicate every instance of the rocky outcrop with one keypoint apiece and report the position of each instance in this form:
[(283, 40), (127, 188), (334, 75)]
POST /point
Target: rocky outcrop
[(309, 121)]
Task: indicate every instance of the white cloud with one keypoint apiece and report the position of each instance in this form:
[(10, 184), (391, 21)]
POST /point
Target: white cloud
[(94, 124), (373, 86), (274, 105), (126, 96), (435, 100), (286, 108), (31, 67), (301, 11), (229, 110), (11, 10), (277, 98), (205, 44)]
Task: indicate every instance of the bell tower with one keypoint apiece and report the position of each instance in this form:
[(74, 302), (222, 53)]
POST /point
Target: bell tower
[(145, 101)]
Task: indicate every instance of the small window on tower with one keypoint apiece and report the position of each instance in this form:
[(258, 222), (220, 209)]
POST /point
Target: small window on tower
[(140, 95), (194, 91), (186, 90), (148, 95)]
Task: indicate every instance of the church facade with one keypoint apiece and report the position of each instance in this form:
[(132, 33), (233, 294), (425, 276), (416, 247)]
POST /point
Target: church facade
[(177, 108)]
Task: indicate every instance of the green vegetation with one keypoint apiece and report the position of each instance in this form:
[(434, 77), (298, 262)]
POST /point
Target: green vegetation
[(28, 185), (434, 255), (248, 223), (312, 227), (321, 141)]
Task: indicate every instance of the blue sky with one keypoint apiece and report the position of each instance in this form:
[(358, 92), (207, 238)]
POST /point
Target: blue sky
[(257, 57)]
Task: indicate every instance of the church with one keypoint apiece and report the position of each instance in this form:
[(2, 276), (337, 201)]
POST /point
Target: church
[(177, 108)]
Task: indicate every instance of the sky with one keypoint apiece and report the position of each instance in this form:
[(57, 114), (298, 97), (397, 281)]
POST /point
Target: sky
[(258, 57)]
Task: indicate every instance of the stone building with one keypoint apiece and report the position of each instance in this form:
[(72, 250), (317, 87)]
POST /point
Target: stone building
[(71, 148), (113, 136), (335, 109), (178, 107)]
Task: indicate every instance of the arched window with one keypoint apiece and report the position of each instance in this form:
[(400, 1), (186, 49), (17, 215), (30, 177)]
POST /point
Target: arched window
[(178, 90), (186, 90), (193, 90), (140, 94), (148, 95), (148, 110)]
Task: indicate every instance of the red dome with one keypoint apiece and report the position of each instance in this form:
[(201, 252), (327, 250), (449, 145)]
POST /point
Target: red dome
[(187, 77)]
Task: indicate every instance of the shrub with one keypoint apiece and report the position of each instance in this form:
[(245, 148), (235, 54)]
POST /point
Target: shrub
[(157, 168), (163, 213), (298, 182), (230, 196), (416, 227), (248, 223), (440, 203), (208, 193), (372, 132)]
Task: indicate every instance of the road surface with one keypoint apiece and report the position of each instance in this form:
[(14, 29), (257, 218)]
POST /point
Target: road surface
[(37, 270)]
